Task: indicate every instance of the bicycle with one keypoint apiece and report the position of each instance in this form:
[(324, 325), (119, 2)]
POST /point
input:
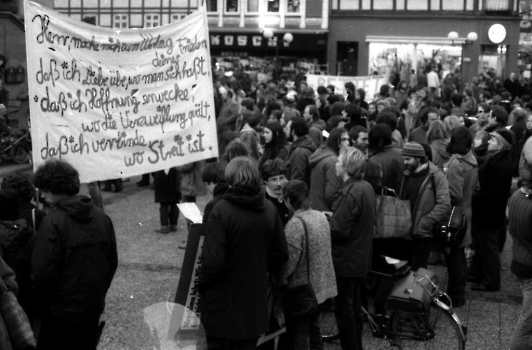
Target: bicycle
[(422, 319)]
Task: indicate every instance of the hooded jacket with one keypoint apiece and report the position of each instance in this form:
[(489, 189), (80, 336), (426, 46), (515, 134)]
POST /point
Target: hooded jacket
[(298, 159), (462, 176), (244, 241), (316, 130), (324, 183), (74, 260), (432, 205), (439, 152)]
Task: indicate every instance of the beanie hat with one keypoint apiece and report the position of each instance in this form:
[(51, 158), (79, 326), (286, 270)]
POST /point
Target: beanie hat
[(413, 149)]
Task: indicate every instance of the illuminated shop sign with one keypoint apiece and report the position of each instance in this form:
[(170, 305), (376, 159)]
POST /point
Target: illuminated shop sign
[(301, 42)]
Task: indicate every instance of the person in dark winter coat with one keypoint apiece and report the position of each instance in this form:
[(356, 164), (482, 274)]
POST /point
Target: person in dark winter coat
[(352, 224), (489, 211), (324, 183), (244, 242), (74, 261), (316, 125), (386, 156), (300, 151), (167, 186), (273, 173)]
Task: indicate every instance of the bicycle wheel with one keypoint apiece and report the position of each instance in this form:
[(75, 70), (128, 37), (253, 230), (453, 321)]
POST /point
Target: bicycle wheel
[(435, 331), (328, 326)]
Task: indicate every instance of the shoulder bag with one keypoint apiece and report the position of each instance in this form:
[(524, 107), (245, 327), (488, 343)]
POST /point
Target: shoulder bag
[(451, 230), (301, 300), (393, 217)]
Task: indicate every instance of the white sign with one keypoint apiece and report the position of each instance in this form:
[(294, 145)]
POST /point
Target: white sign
[(119, 102), (370, 84)]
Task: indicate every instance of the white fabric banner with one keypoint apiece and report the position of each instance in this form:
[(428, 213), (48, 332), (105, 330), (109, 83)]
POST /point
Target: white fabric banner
[(119, 102), (371, 84)]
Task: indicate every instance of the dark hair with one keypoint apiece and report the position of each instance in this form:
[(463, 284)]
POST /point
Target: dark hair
[(58, 177), (355, 131), (428, 153), (335, 138), (379, 136), (300, 127), (213, 172), (362, 94), (353, 112), (337, 108), (457, 99), (350, 86), (373, 175), (322, 90), (500, 115), (21, 184), (424, 114), (236, 148), (389, 117), (384, 90), (273, 167), (296, 191), (486, 107), (248, 103), (461, 141), (255, 120), (314, 112), (272, 106), (278, 136)]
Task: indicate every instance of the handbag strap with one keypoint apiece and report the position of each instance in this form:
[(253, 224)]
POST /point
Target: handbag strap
[(307, 248), (33, 217)]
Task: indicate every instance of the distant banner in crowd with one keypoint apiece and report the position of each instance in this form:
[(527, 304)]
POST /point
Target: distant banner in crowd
[(119, 102), (370, 84)]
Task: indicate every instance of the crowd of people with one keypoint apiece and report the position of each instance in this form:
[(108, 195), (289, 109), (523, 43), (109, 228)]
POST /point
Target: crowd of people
[(294, 201), (317, 161)]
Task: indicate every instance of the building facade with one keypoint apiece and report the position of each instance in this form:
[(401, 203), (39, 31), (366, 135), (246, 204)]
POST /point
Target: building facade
[(397, 36)]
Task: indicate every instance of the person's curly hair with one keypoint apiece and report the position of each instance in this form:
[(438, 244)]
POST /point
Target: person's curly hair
[(21, 184), (58, 177)]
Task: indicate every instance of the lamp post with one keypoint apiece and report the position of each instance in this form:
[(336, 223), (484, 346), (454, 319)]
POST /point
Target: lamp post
[(269, 34), (469, 40)]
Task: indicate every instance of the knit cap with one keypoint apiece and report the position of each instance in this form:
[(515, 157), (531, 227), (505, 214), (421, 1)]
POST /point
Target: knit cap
[(413, 149)]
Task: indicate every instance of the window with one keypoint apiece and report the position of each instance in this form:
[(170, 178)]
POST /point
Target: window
[(178, 17), (253, 5), (273, 5), (120, 21), (212, 5), (383, 5), (496, 5), (292, 5), (152, 20), (231, 5)]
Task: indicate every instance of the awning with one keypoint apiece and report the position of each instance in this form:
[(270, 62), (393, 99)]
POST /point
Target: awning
[(414, 40)]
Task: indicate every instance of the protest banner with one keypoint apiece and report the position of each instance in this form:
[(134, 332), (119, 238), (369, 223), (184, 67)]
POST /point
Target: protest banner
[(371, 84), (119, 102)]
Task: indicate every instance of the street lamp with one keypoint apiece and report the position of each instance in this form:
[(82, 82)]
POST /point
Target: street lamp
[(470, 39), (269, 34)]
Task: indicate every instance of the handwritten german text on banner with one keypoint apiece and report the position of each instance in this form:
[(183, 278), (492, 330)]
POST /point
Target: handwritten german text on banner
[(119, 102)]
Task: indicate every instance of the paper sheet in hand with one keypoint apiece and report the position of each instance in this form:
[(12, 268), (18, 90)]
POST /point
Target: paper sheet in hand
[(191, 212)]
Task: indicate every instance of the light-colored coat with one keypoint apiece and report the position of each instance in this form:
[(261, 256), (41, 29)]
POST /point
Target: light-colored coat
[(322, 277)]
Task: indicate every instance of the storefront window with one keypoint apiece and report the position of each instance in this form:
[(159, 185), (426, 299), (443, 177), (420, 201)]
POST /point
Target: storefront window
[(212, 5), (253, 6), (292, 6), (273, 5), (383, 5), (492, 59), (453, 5), (496, 5), (231, 5), (419, 5), (393, 59)]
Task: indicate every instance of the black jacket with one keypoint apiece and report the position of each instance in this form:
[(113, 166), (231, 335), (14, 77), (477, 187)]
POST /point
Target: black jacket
[(74, 261), (495, 180), (298, 159), (243, 242)]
